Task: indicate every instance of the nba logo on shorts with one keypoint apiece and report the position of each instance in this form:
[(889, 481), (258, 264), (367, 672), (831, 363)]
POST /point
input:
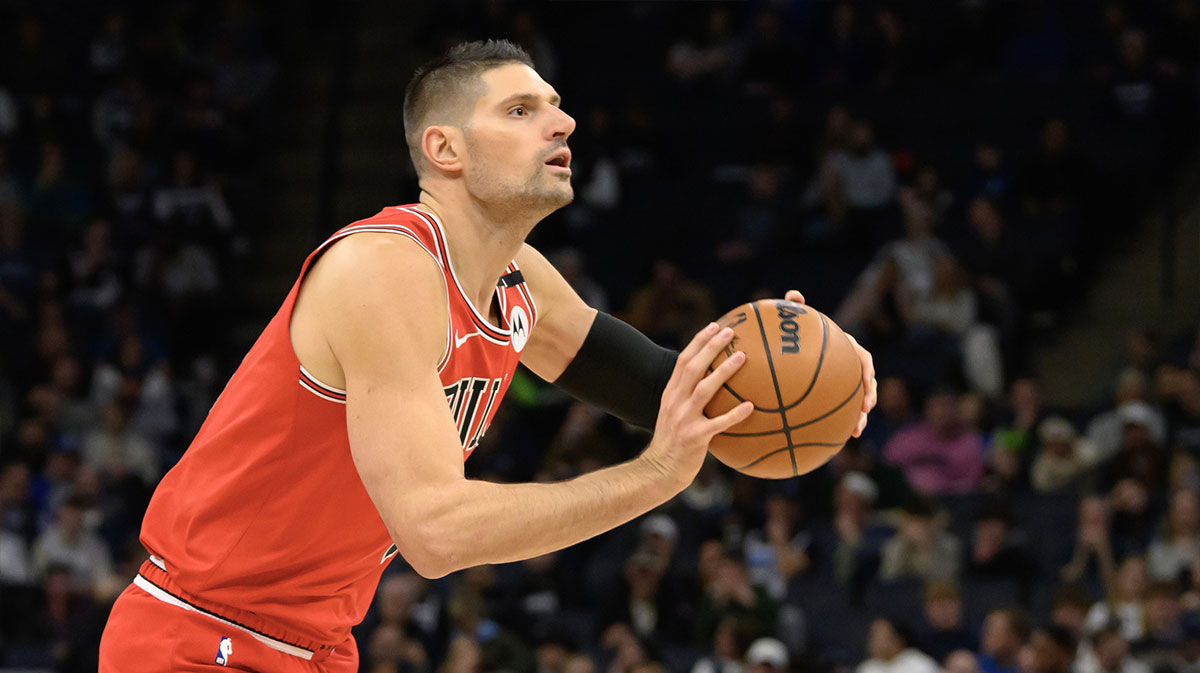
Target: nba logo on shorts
[(224, 650)]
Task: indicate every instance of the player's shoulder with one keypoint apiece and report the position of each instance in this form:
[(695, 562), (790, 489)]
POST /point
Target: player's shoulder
[(370, 263), (532, 263)]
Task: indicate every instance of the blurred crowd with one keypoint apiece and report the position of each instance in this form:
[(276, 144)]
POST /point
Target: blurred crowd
[(944, 179), (126, 143)]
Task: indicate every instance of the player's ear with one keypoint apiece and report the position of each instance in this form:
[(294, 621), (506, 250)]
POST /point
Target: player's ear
[(440, 146)]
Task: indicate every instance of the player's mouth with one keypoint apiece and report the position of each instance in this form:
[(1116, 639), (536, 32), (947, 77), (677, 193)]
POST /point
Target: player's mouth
[(560, 160)]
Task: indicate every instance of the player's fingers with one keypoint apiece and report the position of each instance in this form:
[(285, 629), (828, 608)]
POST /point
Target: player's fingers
[(697, 341), (794, 295), (868, 371), (709, 385), (698, 365), (862, 425), (715, 426)]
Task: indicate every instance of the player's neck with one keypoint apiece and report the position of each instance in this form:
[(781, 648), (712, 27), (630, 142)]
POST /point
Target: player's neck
[(481, 245)]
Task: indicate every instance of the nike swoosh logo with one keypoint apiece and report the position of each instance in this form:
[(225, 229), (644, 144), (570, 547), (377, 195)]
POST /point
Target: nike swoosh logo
[(460, 340)]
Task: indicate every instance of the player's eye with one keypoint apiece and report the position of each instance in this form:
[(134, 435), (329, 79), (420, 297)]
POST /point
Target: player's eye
[(518, 111)]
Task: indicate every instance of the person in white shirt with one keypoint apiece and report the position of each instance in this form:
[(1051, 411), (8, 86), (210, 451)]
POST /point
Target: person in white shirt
[(890, 647)]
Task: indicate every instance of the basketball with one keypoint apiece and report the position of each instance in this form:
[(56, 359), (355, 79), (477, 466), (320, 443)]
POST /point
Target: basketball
[(805, 380)]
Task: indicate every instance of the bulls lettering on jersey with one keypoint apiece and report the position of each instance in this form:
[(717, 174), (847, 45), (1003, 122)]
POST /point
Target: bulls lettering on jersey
[(284, 532)]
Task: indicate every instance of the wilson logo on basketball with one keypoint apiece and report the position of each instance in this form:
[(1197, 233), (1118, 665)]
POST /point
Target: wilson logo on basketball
[(789, 329)]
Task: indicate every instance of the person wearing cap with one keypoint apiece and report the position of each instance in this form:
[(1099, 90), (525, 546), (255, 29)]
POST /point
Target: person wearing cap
[(1105, 430), (1063, 460), (890, 648), (860, 537), (767, 655), (1142, 455)]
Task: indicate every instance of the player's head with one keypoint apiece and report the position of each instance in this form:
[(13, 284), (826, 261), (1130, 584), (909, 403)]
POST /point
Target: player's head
[(481, 114)]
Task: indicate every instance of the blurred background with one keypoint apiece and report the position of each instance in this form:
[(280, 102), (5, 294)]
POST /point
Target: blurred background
[(1000, 198)]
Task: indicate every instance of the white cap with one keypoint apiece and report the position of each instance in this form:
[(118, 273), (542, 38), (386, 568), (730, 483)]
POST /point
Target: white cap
[(1137, 412), (660, 524), (768, 651), (861, 485)]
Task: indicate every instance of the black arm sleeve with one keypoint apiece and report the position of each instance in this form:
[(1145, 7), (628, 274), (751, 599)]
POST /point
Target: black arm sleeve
[(619, 370)]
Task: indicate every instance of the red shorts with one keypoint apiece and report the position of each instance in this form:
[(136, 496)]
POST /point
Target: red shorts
[(145, 634)]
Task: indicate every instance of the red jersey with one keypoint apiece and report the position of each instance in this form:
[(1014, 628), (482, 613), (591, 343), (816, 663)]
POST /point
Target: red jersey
[(264, 522)]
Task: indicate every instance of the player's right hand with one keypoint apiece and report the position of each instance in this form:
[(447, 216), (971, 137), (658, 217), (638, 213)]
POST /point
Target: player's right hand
[(682, 433)]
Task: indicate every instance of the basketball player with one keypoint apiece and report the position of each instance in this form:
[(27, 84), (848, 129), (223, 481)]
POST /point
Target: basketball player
[(340, 440)]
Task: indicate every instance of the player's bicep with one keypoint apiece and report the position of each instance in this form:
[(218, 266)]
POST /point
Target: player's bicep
[(384, 316), (563, 321)]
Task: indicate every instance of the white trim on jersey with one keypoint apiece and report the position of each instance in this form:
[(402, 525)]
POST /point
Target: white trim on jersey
[(321, 384), (318, 393), (157, 592), (450, 264)]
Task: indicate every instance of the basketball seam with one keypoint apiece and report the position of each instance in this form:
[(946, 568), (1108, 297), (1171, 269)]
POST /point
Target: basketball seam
[(787, 431), (799, 425), (772, 453)]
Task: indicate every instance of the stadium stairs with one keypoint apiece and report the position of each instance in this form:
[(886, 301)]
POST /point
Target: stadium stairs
[(1154, 283)]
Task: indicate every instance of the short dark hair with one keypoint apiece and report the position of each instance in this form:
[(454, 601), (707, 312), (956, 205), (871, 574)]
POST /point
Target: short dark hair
[(1061, 636), (446, 78)]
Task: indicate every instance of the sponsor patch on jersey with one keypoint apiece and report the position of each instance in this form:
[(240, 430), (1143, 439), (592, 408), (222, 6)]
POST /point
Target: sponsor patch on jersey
[(519, 322)]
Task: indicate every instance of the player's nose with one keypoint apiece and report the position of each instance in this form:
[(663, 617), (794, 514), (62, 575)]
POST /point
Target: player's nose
[(563, 124)]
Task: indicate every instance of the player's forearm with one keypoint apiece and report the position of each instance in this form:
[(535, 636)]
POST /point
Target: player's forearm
[(477, 522)]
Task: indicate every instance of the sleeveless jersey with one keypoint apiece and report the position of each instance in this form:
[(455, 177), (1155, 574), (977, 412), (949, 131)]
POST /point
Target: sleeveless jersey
[(264, 522)]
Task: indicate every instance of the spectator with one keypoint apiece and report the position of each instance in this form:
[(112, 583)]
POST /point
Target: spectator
[(945, 630), (1069, 609), (920, 548), (1125, 605), (1162, 614), (893, 412), (730, 594), (69, 543), (1064, 460), (642, 605), (1054, 650), (999, 551), (14, 559), (1141, 456), (391, 651), (1111, 653), (1004, 635), (498, 648), (1177, 546), (671, 308), (961, 661), (190, 203), (730, 644), (779, 550), (767, 655), (860, 537), (863, 172), (116, 450), (937, 455), (1106, 430), (890, 648)]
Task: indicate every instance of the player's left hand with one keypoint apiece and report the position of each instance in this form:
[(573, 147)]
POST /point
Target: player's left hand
[(868, 369)]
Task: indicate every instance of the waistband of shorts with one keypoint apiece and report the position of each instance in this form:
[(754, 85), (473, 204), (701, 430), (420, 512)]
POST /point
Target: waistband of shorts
[(153, 578)]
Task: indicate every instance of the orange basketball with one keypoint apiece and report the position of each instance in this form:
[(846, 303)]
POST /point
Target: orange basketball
[(805, 380)]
